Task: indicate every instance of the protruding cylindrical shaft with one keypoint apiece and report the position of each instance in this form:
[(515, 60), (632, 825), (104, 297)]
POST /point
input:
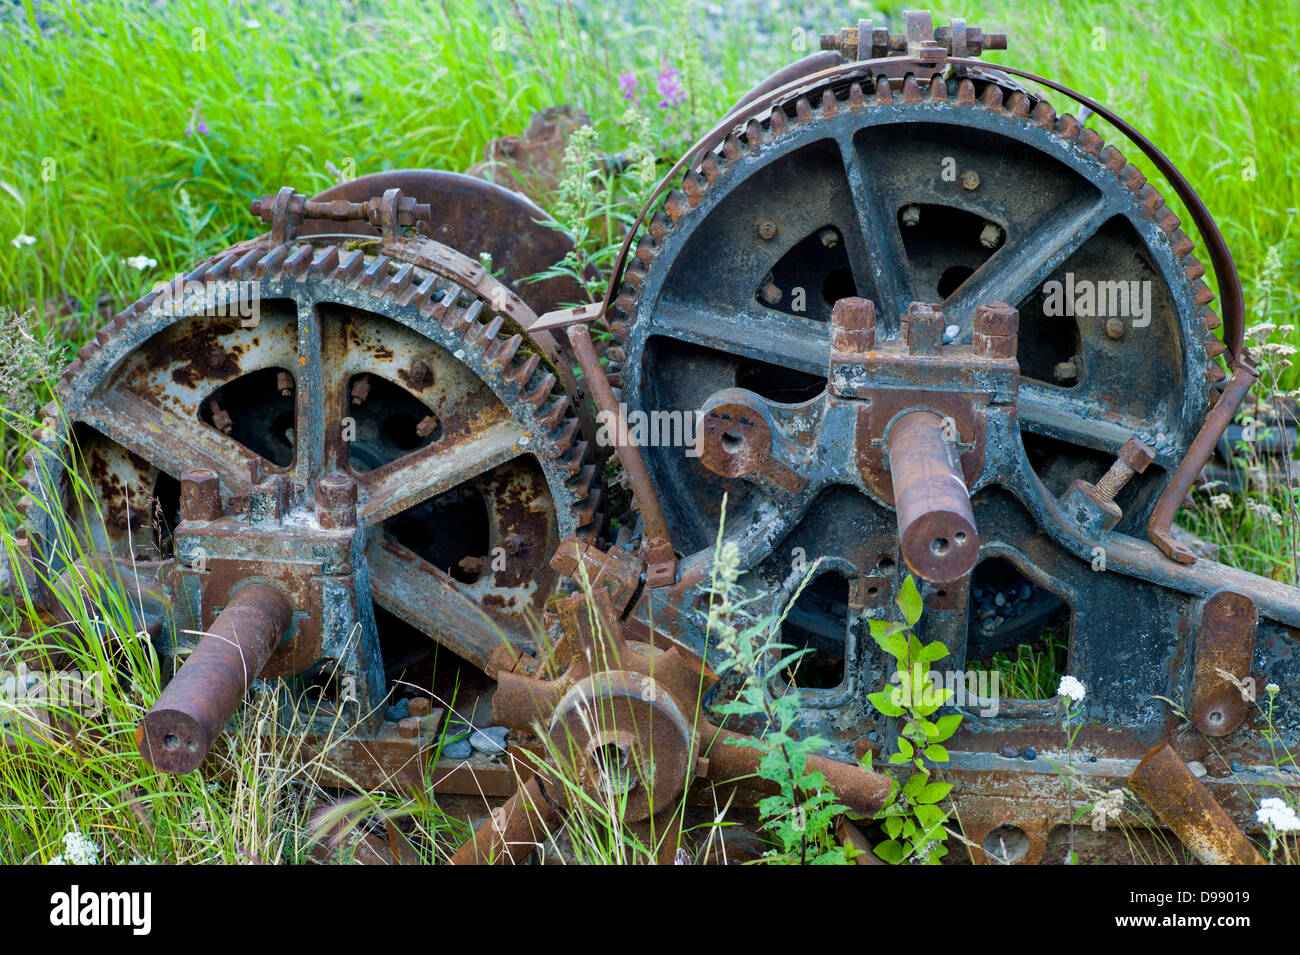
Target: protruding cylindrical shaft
[(525, 821), (177, 733), (936, 527), (1183, 804)]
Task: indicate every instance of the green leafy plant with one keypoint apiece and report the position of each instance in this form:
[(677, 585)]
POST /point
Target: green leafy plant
[(913, 818), (801, 815)]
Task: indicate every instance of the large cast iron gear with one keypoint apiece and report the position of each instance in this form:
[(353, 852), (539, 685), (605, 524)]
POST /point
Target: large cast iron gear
[(957, 192), (394, 364)]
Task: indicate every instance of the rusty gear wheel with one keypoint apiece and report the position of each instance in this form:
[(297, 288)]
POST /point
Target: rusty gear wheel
[(400, 365), (957, 192)]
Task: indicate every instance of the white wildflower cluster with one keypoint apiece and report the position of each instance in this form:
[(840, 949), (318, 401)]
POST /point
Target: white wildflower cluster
[(1071, 687), (22, 239), (1220, 502), (721, 613), (1277, 815), (1264, 511), (141, 262), (77, 850), (1107, 808)]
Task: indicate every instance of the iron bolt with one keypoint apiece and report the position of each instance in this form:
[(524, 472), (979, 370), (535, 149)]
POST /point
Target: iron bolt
[(771, 294), (420, 373), (991, 235), (911, 215), (216, 357), (829, 238), (923, 328), (766, 229), (1066, 371), (853, 325), (284, 382), (1115, 328), (1133, 459), (220, 418), (427, 426), (336, 501), (360, 389), (200, 495), (970, 179), (996, 318)]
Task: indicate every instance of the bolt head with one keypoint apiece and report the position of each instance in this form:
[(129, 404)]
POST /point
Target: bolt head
[(1115, 328), (996, 318), (1136, 454), (766, 229), (970, 179)]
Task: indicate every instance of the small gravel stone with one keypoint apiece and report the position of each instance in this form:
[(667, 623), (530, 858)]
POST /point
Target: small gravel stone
[(397, 713), (1009, 752), (1198, 769), (1029, 755), (1000, 600), (950, 334), (490, 740), (456, 749), (1237, 767)]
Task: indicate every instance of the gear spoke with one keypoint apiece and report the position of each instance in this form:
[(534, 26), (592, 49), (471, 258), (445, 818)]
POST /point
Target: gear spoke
[(438, 468), (875, 246), (1022, 265), (429, 599), (754, 332), (312, 400), (165, 439)]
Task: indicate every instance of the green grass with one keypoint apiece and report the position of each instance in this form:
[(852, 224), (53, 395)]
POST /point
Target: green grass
[(96, 166)]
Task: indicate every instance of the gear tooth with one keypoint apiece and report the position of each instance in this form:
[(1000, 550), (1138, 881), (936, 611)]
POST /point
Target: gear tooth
[(299, 262), (731, 148), (104, 334), (503, 352), (1043, 115), (221, 268), (615, 379), (350, 266), (711, 169), (676, 204), (1181, 243), (803, 111), (659, 226), (1192, 267), (487, 336), (754, 133), (1019, 105), (587, 516), (857, 100), (779, 121), (1215, 373), (246, 265), (399, 281), (327, 261), (87, 351), (563, 441), (911, 91), (271, 262), (420, 296), (1201, 293), (72, 370), (965, 93), (521, 374), (1112, 158), (615, 354), (938, 90), (646, 248), (635, 274), (619, 330), (830, 107), (560, 409), (1133, 178), (1068, 128), (25, 505), (1091, 142), (464, 325), (374, 273), (574, 461), (51, 409), (625, 302), (1168, 220), (1209, 319), (991, 97), (1150, 200), (541, 393), (884, 92), (1213, 347), (580, 484)]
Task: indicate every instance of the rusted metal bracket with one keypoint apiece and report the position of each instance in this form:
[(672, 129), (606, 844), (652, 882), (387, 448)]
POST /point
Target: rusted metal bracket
[(1225, 643), (921, 41), (657, 543)]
